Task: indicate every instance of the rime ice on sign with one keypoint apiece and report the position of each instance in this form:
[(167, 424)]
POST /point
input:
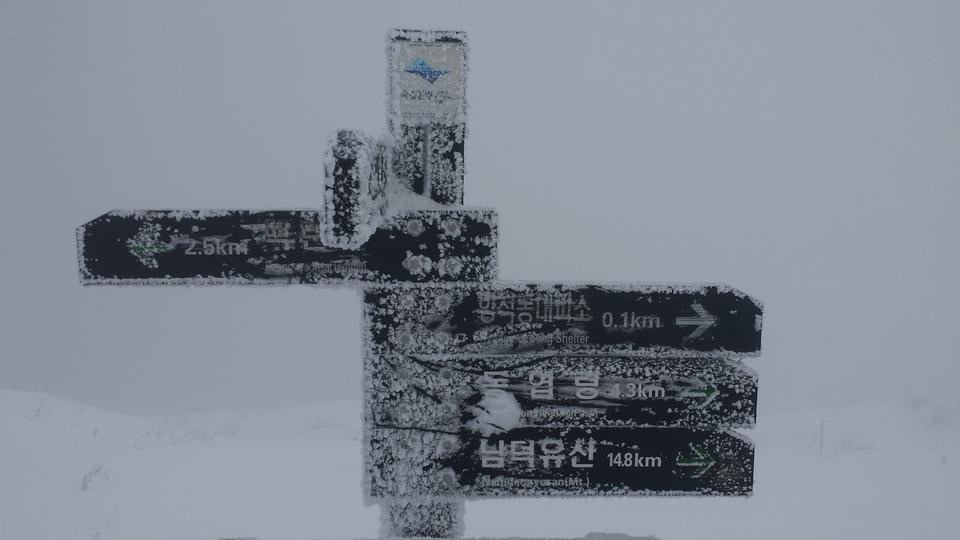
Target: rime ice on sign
[(564, 462), (426, 111), (355, 176), (282, 247), (490, 394), (501, 318)]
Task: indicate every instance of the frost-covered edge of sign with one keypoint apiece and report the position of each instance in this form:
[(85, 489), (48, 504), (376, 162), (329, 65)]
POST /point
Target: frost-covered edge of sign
[(354, 193), (625, 286), (426, 36)]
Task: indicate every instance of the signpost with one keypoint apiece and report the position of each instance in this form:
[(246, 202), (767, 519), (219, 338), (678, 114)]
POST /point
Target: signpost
[(283, 246), (473, 388), (408, 392), (498, 318), (561, 462)]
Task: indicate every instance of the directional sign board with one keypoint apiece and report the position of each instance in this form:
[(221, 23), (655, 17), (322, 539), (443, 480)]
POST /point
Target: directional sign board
[(557, 391), (646, 320), (528, 462), (283, 246)]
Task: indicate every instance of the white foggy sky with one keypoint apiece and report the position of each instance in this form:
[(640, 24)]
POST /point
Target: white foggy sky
[(807, 153)]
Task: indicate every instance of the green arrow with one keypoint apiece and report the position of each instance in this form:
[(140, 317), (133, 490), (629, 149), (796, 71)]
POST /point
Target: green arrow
[(708, 393), (146, 245), (694, 388), (700, 459)]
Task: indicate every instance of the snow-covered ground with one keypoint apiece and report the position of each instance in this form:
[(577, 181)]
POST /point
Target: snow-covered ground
[(69, 471)]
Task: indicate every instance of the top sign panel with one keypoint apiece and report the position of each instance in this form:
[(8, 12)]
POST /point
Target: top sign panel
[(427, 77), (646, 320)]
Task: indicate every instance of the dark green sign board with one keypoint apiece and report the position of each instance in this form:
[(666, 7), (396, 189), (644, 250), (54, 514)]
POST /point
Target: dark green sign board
[(283, 246)]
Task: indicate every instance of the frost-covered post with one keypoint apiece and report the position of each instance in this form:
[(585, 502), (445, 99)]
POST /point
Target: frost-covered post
[(355, 178), (417, 519), (426, 119), (427, 110)]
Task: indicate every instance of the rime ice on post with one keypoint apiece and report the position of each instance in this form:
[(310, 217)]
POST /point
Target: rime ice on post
[(416, 519), (426, 110), (589, 536), (355, 176)]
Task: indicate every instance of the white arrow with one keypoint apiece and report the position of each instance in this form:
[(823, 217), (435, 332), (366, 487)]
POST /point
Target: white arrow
[(702, 321)]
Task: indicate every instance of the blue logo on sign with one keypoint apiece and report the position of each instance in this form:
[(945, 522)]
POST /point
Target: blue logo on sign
[(420, 67)]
